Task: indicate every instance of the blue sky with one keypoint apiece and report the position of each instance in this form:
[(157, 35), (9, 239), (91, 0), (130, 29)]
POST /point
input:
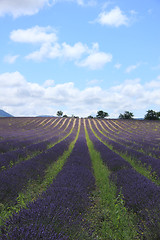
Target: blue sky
[(79, 56)]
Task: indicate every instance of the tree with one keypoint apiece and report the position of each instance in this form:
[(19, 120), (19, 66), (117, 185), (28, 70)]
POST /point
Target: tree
[(65, 116), (101, 114), (152, 115), (126, 115), (90, 116), (59, 113)]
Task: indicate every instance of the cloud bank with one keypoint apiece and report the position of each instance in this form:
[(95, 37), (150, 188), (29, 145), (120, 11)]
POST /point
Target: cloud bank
[(22, 98)]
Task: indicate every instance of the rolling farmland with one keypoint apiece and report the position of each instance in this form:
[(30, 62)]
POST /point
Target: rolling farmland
[(70, 178)]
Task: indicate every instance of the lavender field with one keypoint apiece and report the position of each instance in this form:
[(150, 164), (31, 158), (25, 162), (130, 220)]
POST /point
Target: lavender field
[(71, 178)]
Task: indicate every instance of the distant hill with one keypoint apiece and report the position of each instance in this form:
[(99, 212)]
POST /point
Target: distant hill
[(4, 114)]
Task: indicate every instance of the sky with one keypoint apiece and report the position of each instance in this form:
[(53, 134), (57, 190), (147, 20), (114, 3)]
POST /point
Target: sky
[(79, 56)]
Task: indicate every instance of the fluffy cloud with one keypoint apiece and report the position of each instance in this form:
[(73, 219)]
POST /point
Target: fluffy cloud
[(50, 48), (113, 18), (96, 60), (23, 98), (73, 52), (9, 80), (48, 83), (65, 51), (47, 50), (34, 35), (18, 7)]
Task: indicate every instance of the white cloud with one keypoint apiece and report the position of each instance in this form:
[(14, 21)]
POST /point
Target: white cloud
[(23, 98), (114, 18), (34, 35), (10, 58), (73, 52), (9, 80), (48, 83), (18, 7), (132, 67), (154, 83), (51, 49), (46, 51), (95, 60), (127, 88)]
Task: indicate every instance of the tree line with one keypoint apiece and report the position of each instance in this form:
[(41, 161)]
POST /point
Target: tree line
[(150, 115)]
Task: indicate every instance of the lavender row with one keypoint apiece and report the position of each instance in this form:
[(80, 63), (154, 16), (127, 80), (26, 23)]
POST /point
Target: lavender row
[(145, 142), (18, 143), (140, 194), (25, 139), (135, 141), (134, 134), (14, 179), (135, 155), (9, 127), (19, 133), (62, 207), (12, 157)]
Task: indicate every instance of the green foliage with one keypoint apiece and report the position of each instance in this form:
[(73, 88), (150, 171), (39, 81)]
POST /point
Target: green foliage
[(11, 164), (59, 113), (126, 115), (3, 168), (152, 115), (101, 114)]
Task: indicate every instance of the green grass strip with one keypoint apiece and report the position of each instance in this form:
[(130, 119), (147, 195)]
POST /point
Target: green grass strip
[(110, 218), (137, 165), (35, 188)]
